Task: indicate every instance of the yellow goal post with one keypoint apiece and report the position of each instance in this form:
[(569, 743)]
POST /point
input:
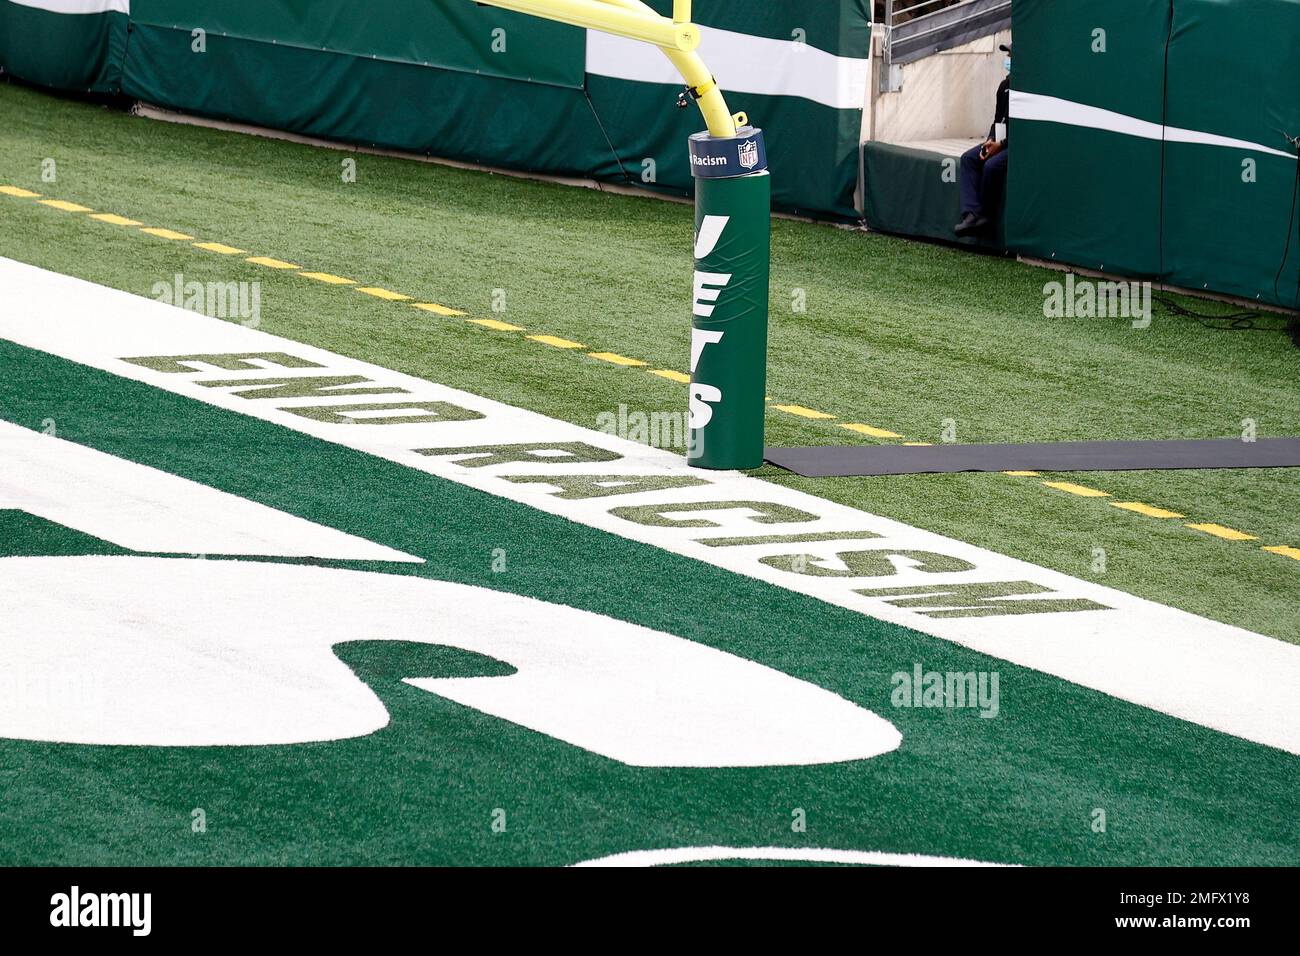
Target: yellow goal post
[(677, 37), (729, 301)]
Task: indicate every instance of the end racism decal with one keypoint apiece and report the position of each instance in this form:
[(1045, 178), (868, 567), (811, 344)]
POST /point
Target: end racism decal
[(1169, 660)]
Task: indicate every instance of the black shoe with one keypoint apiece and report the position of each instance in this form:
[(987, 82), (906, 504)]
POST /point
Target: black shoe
[(971, 224)]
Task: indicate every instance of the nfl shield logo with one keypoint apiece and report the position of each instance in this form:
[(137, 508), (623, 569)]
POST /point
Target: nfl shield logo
[(749, 154)]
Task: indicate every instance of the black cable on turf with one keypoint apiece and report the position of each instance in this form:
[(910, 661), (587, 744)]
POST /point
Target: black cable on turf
[(1237, 321), (1286, 251)]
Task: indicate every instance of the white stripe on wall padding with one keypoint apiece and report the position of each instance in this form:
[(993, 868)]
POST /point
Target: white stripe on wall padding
[(1053, 109), (77, 6), (742, 64)]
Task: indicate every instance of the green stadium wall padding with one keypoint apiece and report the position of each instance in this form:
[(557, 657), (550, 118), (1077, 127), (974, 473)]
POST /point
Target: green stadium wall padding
[(81, 52), (1235, 73), (453, 79), (1163, 156), (297, 90)]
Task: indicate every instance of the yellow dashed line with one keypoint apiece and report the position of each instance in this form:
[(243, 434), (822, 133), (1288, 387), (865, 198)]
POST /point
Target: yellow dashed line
[(166, 233), (919, 444), (615, 359), (1219, 531), (497, 325), (802, 412), (1148, 510), (557, 342), (327, 278), (220, 247), (437, 309), (114, 219), (271, 263), (871, 430), (64, 205), (1083, 491), (387, 295)]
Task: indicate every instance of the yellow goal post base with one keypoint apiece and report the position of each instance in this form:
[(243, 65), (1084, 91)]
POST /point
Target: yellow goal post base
[(677, 37)]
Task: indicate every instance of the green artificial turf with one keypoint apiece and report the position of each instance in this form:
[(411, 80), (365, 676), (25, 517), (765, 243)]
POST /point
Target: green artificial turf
[(897, 334), (1021, 788)]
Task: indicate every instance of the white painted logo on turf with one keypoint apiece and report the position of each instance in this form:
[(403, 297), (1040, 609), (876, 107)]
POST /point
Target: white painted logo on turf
[(232, 652), (218, 300)]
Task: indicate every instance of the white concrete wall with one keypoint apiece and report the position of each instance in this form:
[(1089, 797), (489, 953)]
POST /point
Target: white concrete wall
[(945, 96)]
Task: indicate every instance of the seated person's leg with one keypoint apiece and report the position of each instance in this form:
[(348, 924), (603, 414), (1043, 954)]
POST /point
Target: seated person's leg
[(972, 175), (971, 185), (993, 185)]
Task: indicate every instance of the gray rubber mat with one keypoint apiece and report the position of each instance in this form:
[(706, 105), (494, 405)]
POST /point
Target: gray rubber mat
[(846, 460)]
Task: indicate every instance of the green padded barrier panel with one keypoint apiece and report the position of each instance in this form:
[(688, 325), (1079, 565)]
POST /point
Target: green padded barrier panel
[(1078, 193), (70, 51), (453, 79), (1234, 71), (913, 192), (1151, 139)]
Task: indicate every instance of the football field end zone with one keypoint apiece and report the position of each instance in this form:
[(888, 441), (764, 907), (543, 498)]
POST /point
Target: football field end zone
[(1174, 662), (1012, 789), (149, 511), (1017, 789)]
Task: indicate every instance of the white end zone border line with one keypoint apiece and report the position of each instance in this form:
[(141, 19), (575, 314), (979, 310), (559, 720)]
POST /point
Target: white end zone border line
[(153, 512), (712, 854), (1213, 674)]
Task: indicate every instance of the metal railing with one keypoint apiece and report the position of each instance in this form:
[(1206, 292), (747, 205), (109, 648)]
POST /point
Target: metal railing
[(900, 11), (914, 29)]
